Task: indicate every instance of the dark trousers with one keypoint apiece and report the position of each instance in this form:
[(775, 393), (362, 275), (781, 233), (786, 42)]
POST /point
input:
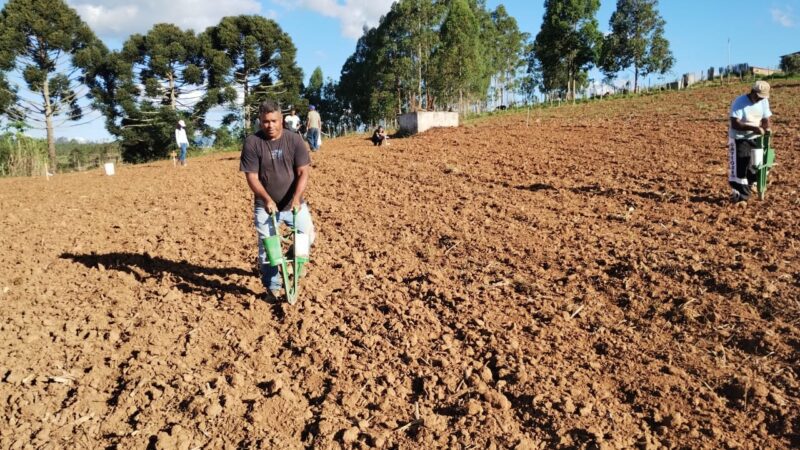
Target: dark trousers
[(741, 177)]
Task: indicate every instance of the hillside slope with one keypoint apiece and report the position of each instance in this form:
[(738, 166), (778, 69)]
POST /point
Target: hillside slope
[(569, 278)]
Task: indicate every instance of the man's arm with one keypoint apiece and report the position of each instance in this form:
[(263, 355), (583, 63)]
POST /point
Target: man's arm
[(302, 180), (766, 123), (260, 192), (737, 125)]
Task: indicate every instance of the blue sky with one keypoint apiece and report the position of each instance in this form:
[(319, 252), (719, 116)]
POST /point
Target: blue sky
[(325, 31)]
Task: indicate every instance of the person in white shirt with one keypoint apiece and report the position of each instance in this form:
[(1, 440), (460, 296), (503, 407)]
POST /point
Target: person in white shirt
[(292, 121), (749, 120), (182, 140)]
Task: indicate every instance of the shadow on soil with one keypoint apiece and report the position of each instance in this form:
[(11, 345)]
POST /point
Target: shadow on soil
[(535, 187), (716, 200), (616, 192), (661, 197), (191, 277)]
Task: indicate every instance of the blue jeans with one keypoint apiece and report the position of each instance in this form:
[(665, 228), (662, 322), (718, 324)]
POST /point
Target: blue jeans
[(270, 276), (313, 138), (183, 153)]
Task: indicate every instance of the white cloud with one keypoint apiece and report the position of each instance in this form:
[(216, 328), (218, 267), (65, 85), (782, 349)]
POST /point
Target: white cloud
[(352, 14), (783, 16), (121, 18)]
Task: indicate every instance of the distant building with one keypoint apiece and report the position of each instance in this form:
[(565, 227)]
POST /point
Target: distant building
[(744, 69), (763, 72)]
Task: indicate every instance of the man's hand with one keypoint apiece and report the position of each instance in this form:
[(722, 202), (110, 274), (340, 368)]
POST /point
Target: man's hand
[(270, 206), (296, 204)]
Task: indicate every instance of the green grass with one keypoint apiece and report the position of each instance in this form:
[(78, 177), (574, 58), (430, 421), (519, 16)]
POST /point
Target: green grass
[(22, 156)]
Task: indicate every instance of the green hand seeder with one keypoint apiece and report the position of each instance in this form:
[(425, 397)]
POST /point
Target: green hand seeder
[(767, 162), (300, 244)]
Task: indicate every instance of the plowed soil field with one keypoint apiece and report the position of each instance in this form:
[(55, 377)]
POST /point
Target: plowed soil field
[(570, 278)]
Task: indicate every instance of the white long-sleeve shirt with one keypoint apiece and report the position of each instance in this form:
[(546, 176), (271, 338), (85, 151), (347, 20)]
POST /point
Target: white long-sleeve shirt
[(180, 136)]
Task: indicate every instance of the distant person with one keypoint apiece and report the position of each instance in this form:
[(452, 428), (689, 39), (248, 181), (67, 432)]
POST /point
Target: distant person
[(292, 121), (749, 120), (313, 127), (276, 166), (182, 140), (379, 136)]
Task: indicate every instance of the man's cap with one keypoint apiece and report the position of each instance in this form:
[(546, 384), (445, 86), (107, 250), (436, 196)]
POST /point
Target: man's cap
[(182, 123), (761, 89), (311, 107)]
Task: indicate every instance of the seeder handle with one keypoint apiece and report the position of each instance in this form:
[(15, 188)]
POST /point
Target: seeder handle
[(765, 140)]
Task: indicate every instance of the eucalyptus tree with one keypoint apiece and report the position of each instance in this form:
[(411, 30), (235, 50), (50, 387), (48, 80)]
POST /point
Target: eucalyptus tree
[(358, 78), (567, 43), (43, 44), (459, 57), (374, 79), (416, 31), (260, 60), (391, 70), (425, 54), (489, 60), (313, 92), (509, 58), (636, 40)]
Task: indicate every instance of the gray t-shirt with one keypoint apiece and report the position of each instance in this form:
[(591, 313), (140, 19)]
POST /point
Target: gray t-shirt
[(275, 162)]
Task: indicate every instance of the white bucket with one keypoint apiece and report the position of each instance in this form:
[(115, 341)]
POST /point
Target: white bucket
[(756, 158), (301, 245), (109, 168)]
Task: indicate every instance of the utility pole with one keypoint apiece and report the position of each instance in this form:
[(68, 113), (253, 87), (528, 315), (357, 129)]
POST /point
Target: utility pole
[(729, 60)]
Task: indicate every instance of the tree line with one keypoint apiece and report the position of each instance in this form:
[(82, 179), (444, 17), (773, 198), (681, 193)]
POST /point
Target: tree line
[(423, 55), (457, 55)]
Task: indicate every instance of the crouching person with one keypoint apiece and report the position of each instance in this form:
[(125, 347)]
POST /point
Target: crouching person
[(379, 137), (277, 167)]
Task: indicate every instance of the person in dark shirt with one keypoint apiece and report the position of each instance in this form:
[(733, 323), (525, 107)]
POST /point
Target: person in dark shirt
[(379, 136), (276, 165)]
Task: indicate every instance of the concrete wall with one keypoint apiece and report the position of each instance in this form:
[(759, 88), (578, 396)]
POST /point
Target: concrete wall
[(421, 121), (763, 71)]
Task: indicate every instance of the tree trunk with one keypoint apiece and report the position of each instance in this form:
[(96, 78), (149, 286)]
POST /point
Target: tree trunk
[(172, 99), (245, 89), (48, 119), (503, 79), (399, 101), (419, 77), (636, 79)]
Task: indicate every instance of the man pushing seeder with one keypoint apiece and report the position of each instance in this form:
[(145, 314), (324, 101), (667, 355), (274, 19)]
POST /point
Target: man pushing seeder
[(750, 155), (277, 166)]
